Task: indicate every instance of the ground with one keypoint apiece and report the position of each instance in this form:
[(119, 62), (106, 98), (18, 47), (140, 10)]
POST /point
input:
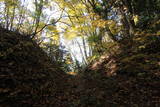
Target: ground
[(29, 78)]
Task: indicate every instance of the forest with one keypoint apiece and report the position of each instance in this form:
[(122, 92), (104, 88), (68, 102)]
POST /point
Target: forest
[(79, 53)]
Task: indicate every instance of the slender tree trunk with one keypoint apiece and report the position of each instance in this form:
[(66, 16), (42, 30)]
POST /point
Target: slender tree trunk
[(83, 57), (13, 16), (6, 15), (84, 47)]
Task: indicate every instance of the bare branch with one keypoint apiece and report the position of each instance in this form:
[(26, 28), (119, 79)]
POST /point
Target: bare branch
[(34, 34)]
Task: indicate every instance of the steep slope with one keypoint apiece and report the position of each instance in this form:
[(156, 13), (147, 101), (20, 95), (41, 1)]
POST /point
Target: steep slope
[(27, 76), (130, 78)]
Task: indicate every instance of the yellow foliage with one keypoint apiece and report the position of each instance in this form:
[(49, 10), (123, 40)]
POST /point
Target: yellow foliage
[(56, 37), (99, 23), (114, 28), (110, 23), (136, 19), (51, 28), (70, 35), (68, 62), (82, 20), (73, 32), (41, 24), (80, 6), (71, 12)]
